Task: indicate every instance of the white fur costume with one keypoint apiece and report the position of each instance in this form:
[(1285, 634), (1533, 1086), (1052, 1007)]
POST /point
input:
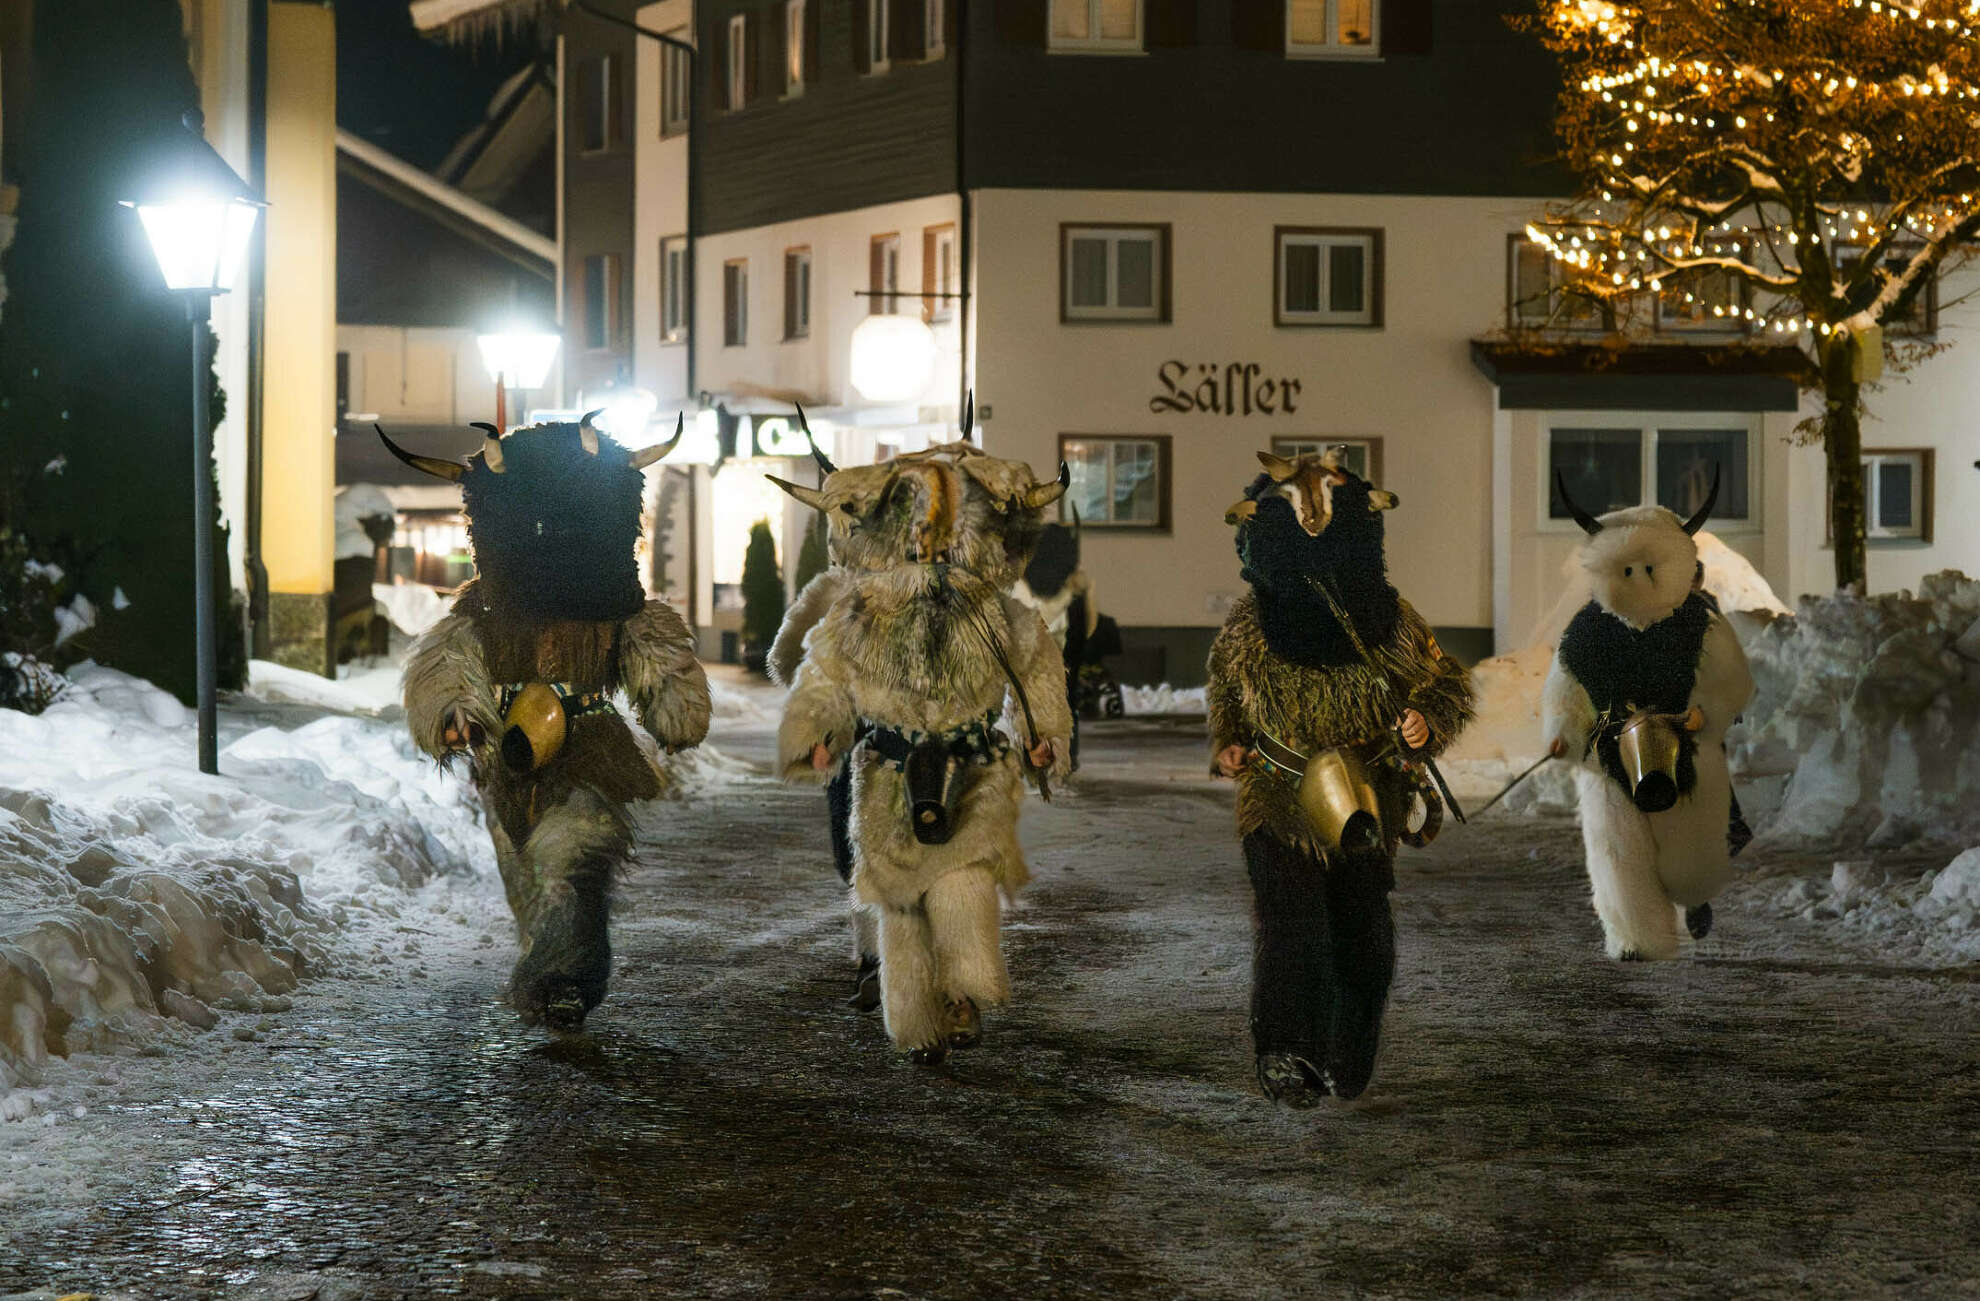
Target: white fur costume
[(938, 904), (1645, 869)]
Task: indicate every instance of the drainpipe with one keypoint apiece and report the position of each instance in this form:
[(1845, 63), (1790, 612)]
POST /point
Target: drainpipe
[(259, 636), (965, 243)]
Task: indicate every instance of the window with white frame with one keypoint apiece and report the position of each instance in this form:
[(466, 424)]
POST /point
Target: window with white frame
[(735, 303), (1095, 25), (676, 85), (933, 21), (938, 273), (1333, 28), (603, 300), (1118, 481), (877, 45), (883, 274), (1328, 276), (1537, 295), (599, 95), (1114, 273), (673, 289), (1612, 462), (793, 47), (1362, 457), (797, 293), (1897, 490), (736, 62), (1708, 302)]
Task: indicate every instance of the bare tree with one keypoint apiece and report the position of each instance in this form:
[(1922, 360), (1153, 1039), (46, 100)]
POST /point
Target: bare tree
[(1817, 155)]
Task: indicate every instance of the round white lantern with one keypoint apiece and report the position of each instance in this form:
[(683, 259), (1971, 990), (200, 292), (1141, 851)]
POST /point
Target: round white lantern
[(893, 358)]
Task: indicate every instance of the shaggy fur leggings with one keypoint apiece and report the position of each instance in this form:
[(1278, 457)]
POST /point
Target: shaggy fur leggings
[(1326, 951)]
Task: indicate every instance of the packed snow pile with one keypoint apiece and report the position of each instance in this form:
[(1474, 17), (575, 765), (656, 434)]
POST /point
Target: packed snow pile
[(1505, 738), (1865, 729), (1163, 699), (136, 893), (411, 607), (1931, 917), (358, 504)]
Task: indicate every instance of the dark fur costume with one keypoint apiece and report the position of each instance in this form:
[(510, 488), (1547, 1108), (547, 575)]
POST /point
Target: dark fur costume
[(557, 601), (1285, 665), (1625, 669)]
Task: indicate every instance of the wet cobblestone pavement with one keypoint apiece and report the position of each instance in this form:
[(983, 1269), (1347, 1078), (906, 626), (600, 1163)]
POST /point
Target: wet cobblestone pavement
[(1543, 1122)]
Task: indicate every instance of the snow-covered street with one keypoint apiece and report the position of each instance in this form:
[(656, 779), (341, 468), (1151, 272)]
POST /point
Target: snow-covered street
[(1790, 1105)]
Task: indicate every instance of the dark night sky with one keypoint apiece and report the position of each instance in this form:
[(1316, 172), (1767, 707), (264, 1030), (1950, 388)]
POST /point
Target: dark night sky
[(410, 94)]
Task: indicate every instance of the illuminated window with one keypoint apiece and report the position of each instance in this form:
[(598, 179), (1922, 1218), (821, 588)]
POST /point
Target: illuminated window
[(933, 20), (600, 95), (673, 289), (1333, 28), (1897, 488), (676, 85), (794, 47), (1538, 296), (797, 293), (735, 303), (1117, 481), (1362, 458), (1665, 461), (604, 293), (1095, 25), (883, 274), (737, 62)]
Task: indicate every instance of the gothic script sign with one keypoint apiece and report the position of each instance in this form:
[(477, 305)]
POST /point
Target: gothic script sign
[(1235, 388)]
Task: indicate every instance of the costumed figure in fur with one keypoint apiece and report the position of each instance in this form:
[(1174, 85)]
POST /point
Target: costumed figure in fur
[(905, 679), (519, 677), (1646, 680), (1054, 585), (1327, 694)]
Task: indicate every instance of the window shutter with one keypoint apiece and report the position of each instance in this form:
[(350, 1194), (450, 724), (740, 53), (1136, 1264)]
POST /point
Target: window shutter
[(1022, 22), (811, 50), (1406, 27), (1260, 25), (615, 101), (790, 295), (908, 37), (862, 36), (716, 75), (1170, 23), (928, 285), (752, 61)]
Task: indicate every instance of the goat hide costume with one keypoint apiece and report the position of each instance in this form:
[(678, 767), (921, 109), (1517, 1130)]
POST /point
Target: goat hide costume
[(520, 676), (904, 678), (1322, 655), (1646, 680)]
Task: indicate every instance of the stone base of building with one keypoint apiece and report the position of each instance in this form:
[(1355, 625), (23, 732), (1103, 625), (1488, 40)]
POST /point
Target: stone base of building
[(299, 631)]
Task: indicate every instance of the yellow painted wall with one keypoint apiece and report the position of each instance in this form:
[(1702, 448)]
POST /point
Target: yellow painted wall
[(299, 404)]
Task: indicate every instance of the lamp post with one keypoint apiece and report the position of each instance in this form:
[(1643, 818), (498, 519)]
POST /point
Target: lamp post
[(198, 215), (519, 359)]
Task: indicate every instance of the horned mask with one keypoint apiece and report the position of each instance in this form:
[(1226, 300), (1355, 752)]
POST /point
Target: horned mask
[(1640, 560), (553, 513)]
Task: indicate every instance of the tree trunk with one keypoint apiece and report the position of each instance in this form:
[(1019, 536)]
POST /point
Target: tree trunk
[(1842, 437)]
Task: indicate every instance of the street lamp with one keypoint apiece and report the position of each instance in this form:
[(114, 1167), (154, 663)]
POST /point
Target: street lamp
[(518, 359), (198, 215), (892, 358)]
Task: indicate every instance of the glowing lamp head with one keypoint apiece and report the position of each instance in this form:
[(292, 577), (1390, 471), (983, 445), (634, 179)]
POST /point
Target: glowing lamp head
[(893, 358), (197, 214), (519, 358)]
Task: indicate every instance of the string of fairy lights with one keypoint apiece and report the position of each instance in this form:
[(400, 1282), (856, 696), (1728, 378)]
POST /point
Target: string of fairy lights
[(1718, 94)]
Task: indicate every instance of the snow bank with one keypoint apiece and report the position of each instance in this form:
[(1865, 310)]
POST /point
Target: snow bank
[(412, 607), (1930, 917), (136, 892), (1865, 730), (1505, 736), (1164, 699), (362, 690)]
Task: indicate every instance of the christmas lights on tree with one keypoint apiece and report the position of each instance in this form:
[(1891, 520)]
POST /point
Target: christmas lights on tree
[(1821, 155)]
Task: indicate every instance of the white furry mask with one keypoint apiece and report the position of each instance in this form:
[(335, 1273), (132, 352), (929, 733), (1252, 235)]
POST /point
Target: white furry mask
[(1640, 564)]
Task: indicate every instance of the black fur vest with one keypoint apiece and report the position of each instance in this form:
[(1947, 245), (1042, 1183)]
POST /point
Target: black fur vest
[(1624, 670)]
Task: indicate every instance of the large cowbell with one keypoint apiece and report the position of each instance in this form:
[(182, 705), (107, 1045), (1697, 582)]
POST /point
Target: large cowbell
[(1649, 748), (936, 780), (1339, 801)]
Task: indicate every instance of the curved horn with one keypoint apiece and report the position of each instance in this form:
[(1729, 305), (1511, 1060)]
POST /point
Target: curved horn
[(1589, 524), (1697, 521), (491, 447), (587, 434), (1277, 466), (1040, 495), (658, 452), (433, 465), (825, 465), (811, 497)]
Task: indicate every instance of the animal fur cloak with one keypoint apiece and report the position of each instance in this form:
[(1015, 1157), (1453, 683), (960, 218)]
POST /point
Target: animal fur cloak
[(1321, 654), (908, 651), (1647, 642), (553, 512)]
